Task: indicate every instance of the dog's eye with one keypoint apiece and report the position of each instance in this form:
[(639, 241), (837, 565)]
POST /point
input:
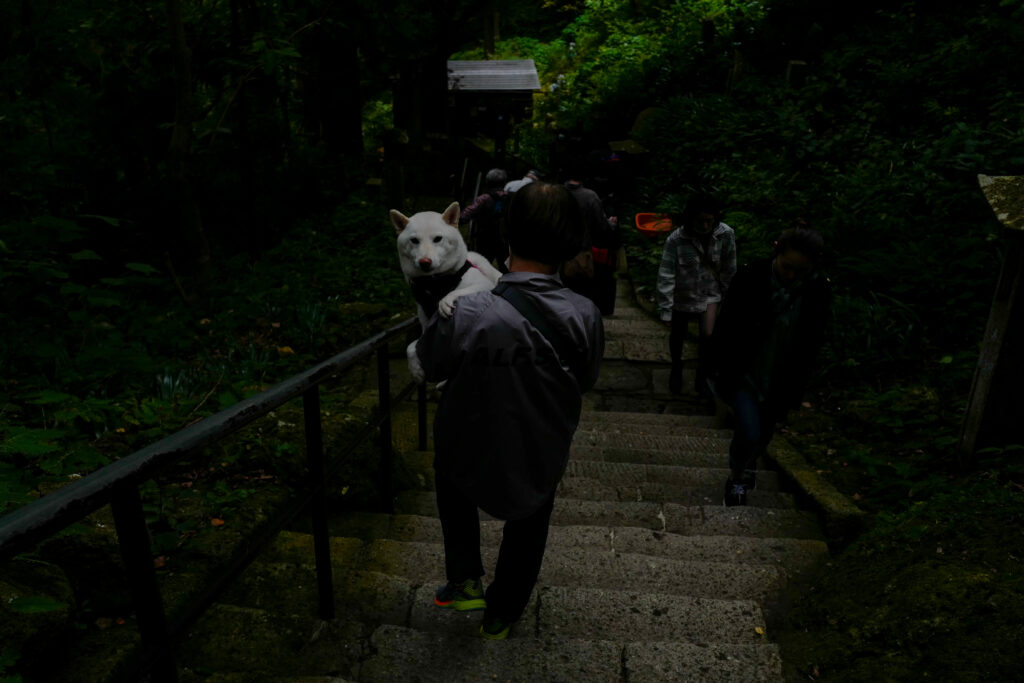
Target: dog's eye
[(415, 240), (437, 239)]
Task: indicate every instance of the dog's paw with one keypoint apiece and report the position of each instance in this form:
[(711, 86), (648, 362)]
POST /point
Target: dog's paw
[(446, 306)]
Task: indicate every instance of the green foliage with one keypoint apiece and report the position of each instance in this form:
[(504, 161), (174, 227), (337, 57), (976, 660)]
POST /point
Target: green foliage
[(34, 604), (946, 590), (124, 362), (8, 659)]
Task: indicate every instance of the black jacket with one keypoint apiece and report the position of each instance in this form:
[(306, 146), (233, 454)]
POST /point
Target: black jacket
[(745, 322)]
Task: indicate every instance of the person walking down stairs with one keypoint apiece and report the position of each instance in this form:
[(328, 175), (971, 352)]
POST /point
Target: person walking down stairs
[(769, 331), (516, 361)]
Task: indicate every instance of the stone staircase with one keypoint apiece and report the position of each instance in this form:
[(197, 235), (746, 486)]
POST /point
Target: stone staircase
[(647, 577)]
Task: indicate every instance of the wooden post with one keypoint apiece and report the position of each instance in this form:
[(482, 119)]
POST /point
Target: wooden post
[(995, 409)]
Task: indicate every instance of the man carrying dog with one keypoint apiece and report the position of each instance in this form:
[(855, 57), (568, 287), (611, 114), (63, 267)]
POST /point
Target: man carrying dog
[(516, 360)]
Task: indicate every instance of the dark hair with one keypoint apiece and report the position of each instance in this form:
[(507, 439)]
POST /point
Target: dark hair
[(699, 203), (544, 223), (808, 242)]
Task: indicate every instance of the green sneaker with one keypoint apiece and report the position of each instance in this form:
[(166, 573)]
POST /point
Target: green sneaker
[(464, 596), (494, 629)]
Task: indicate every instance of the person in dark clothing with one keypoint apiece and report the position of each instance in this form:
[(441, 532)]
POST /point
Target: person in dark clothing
[(515, 361), (770, 329), (486, 213), (592, 271)]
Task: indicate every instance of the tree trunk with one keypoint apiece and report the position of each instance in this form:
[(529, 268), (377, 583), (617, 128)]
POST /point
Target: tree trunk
[(183, 203), (331, 87)]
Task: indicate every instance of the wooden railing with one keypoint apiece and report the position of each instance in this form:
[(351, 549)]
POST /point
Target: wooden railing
[(118, 485)]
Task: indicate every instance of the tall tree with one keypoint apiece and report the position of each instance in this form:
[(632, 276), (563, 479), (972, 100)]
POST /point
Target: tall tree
[(183, 201)]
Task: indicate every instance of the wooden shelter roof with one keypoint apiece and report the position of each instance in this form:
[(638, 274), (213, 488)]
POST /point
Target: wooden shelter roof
[(493, 75)]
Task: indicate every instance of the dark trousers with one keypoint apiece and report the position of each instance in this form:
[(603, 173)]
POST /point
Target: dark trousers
[(677, 335), (604, 288), (519, 558), (755, 425)]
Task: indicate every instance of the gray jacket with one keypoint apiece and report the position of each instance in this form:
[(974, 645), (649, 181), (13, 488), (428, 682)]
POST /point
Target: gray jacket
[(510, 406)]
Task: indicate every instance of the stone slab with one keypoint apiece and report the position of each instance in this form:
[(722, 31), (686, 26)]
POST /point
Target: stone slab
[(705, 494), (652, 441), (740, 521), (626, 473), (793, 554), (407, 655), (657, 662), (632, 615), (629, 418), (586, 567)]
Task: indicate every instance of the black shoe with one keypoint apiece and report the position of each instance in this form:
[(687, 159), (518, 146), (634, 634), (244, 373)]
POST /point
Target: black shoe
[(735, 492)]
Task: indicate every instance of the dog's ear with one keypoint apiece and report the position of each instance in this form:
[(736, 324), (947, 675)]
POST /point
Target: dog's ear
[(398, 220), (451, 215)]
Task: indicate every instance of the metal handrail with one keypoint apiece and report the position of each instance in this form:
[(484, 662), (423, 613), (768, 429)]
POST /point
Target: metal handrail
[(117, 484)]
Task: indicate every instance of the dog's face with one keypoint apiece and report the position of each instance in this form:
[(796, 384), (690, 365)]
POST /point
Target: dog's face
[(429, 242)]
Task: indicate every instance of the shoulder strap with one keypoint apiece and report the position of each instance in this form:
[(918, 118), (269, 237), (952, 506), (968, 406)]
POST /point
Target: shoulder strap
[(529, 311)]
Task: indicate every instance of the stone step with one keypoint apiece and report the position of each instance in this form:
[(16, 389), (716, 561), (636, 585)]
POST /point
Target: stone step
[(422, 563), (653, 441), (374, 583), (588, 568), (595, 419), (635, 328), (398, 654), (654, 402), (712, 458), (622, 613), (627, 473), (715, 520), (642, 349), (794, 556), (705, 494)]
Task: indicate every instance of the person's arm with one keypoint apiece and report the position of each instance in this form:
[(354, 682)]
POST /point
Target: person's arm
[(479, 204), (811, 338), (667, 279), (728, 270), (587, 376)]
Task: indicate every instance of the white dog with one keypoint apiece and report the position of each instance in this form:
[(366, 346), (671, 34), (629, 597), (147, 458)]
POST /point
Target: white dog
[(438, 266)]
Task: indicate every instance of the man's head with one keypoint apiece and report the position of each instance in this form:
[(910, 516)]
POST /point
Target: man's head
[(702, 214), (544, 224), (496, 177), (797, 253), (532, 175)]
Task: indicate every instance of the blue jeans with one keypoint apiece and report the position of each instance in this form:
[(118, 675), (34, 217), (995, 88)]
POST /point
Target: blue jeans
[(755, 425)]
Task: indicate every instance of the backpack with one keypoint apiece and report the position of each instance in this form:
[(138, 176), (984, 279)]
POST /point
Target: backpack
[(498, 199)]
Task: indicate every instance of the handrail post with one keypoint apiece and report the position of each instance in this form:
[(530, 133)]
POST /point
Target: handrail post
[(421, 404), (386, 452), (318, 502), (137, 555)]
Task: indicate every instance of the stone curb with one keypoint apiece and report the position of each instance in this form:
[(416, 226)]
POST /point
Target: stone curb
[(842, 521)]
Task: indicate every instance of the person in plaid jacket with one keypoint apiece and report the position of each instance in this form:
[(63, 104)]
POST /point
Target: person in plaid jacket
[(697, 265)]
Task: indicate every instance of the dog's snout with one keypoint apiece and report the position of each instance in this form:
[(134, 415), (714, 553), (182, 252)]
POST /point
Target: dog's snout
[(426, 264)]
